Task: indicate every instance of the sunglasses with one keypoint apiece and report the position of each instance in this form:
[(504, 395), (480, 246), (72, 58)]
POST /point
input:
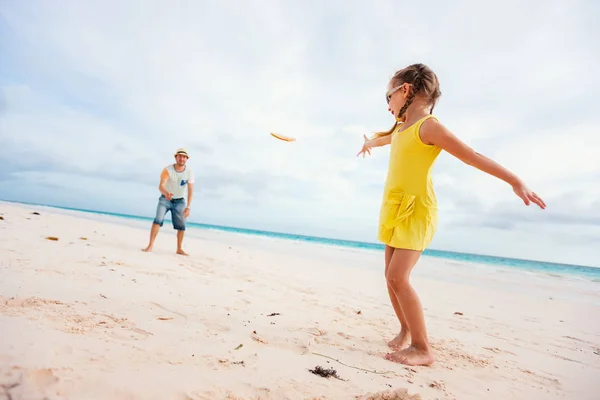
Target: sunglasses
[(388, 95)]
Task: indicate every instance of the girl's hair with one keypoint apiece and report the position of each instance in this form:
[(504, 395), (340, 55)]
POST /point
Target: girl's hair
[(423, 81)]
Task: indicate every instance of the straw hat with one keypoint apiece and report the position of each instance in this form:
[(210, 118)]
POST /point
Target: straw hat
[(183, 151)]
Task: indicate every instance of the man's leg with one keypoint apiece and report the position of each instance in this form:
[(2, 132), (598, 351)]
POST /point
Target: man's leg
[(180, 242), (161, 210), (179, 225)]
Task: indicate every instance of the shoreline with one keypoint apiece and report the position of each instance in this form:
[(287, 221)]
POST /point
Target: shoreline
[(586, 272)]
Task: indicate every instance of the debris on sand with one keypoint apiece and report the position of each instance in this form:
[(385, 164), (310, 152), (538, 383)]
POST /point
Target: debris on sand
[(256, 338), (226, 362), (51, 238), (239, 347), (83, 238), (458, 313), (1, 218), (436, 385), (325, 373), (35, 213), (273, 314)]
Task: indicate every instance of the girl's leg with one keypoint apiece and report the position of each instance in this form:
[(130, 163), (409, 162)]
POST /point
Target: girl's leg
[(398, 274), (402, 340)]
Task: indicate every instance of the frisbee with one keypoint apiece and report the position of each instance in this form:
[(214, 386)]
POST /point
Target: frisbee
[(282, 137)]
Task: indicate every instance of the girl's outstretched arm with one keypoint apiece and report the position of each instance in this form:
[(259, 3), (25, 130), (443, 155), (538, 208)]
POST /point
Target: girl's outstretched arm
[(370, 143), (434, 133)]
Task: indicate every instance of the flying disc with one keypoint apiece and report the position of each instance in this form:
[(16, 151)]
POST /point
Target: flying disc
[(282, 137)]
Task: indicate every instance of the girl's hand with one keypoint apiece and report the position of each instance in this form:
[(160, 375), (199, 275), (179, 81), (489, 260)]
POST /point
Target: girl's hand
[(527, 195), (366, 147)]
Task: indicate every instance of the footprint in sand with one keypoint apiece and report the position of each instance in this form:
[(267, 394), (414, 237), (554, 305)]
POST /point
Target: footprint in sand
[(450, 351), (211, 395), (398, 394), (341, 311), (21, 383), (128, 331), (304, 290), (68, 319), (214, 328), (498, 351), (544, 381), (182, 396), (566, 359), (345, 336), (261, 393), (245, 301)]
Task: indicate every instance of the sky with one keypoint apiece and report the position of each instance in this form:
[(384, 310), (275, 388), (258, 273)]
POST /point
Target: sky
[(95, 97)]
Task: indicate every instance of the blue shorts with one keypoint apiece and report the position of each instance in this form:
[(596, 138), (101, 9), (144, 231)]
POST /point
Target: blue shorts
[(176, 206)]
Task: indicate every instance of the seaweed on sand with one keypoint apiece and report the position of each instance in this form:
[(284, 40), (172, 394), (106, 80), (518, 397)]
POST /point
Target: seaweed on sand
[(325, 373)]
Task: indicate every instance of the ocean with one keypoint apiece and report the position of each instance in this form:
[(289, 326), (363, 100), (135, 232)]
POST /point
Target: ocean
[(585, 272)]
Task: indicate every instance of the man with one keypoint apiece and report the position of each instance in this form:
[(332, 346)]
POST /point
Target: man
[(174, 179)]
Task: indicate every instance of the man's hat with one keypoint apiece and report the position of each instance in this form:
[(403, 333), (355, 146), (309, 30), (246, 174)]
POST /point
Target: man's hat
[(182, 151)]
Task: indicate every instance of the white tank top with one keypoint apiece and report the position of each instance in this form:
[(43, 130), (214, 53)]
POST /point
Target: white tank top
[(178, 181)]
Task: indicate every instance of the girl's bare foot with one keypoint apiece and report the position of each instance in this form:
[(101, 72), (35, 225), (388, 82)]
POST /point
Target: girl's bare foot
[(401, 341), (411, 356), (183, 253), (147, 249)]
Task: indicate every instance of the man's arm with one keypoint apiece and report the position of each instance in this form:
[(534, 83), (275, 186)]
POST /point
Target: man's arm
[(190, 195), (164, 177)]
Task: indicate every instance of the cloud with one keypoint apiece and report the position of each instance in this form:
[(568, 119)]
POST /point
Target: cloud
[(96, 96), (568, 209)]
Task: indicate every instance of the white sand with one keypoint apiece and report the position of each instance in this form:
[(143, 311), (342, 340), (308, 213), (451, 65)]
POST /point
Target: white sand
[(99, 319)]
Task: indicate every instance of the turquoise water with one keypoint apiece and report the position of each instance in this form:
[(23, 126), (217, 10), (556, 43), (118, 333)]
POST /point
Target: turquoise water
[(591, 273)]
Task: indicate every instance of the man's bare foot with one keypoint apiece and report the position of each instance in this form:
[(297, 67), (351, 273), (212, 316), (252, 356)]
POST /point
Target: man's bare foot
[(147, 249), (411, 356), (401, 341), (181, 252)]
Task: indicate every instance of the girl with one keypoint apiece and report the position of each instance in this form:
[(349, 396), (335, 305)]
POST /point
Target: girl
[(408, 216)]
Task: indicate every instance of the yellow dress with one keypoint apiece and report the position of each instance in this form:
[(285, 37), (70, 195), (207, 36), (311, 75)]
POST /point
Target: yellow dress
[(409, 212)]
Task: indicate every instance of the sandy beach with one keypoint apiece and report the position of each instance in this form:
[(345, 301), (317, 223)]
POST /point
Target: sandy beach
[(90, 316)]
